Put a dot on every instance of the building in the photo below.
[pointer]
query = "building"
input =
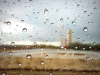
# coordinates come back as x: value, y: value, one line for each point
x: 68, y: 40
x: 63, y: 42
x: 69, y: 36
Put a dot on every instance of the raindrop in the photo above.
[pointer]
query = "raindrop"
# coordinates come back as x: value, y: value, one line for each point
x: 73, y: 22
x: 3, y: 73
x: 78, y: 38
x: 4, y: 1
x: 19, y: 64
x: 18, y: 1
x: 42, y: 62
x: 83, y: 48
x: 24, y: 30
x: 30, y: 36
x: 92, y: 60
x: 46, y: 12
x: 42, y: 49
x: 8, y: 23
x: 21, y: 74
x: 50, y: 73
x: 94, y: 2
x: 22, y: 20
x: 85, y: 29
x: 67, y: 18
x: 96, y: 67
x: 90, y: 47
x: 12, y: 43
x: 52, y: 23
x: 47, y: 20
x: 30, y: 1
x: 95, y: 8
x: 85, y: 12
x: 94, y: 43
x: 88, y: 35
x: 76, y: 47
x: 83, y: 41
x: 44, y: 23
x: 14, y: 3
x: 38, y: 12
x: 46, y: 56
x: 87, y: 58
x: 64, y: 66
x: 78, y: 5
x: 33, y: 12
x: 54, y: 39
x: 10, y: 53
x: 62, y: 47
x: 12, y: 15
x: 88, y: 22
x: 28, y: 56
x: 79, y: 74
x: 61, y: 19
x: 0, y: 11
x: 88, y: 15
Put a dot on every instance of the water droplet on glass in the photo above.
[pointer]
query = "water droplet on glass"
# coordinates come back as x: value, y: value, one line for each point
x: 92, y: 60
x: 30, y: 36
x: 62, y: 47
x: 19, y: 64
x: 4, y: 1
x: 88, y: 35
x: 87, y: 58
x: 46, y: 12
x: 50, y: 73
x: 28, y: 56
x: 83, y: 41
x: 38, y: 12
x: 94, y: 43
x: 52, y: 23
x: 42, y: 62
x: 12, y: 15
x: 0, y: 11
x: 3, y: 73
x: 24, y: 30
x: 78, y: 38
x: 95, y: 8
x: 96, y: 67
x: 85, y: 12
x: 54, y: 39
x: 83, y: 48
x: 64, y: 66
x: 73, y: 22
x: 46, y: 56
x: 78, y: 5
x: 42, y: 49
x: 12, y: 43
x: 47, y: 20
x: 88, y: 22
x: 61, y: 19
x: 79, y: 74
x: 90, y: 47
x: 30, y: 1
x: 8, y: 23
x: 85, y: 29
x: 76, y: 47
x: 10, y: 53
x: 21, y: 74
x: 22, y: 20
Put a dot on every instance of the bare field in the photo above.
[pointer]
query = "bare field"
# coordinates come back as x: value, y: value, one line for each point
x: 49, y: 63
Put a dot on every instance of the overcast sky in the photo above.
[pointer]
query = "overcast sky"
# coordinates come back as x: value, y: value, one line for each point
x: 33, y: 16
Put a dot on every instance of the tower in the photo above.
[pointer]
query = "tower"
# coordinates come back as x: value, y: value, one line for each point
x: 69, y: 36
